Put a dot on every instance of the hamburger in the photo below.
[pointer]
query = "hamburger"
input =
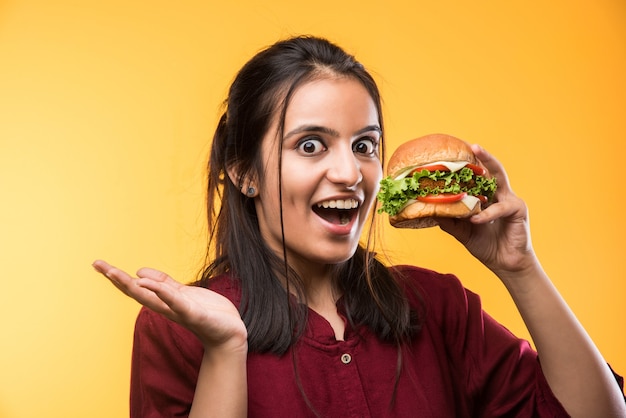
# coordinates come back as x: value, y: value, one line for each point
x: 436, y: 175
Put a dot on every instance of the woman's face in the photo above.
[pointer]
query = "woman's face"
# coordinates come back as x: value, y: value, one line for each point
x: 330, y: 173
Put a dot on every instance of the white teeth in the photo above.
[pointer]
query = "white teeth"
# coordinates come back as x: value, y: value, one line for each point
x: 339, y: 204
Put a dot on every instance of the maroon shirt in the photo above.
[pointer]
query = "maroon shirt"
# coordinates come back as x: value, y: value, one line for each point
x: 462, y: 364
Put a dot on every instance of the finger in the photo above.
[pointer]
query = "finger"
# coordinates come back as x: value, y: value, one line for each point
x: 159, y: 282
x: 511, y: 207
x: 166, y: 292
x: 101, y: 266
x: 164, y: 287
x: 490, y: 162
x: 154, y: 274
x: 129, y: 285
x: 115, y: 275
x: 495, y: 168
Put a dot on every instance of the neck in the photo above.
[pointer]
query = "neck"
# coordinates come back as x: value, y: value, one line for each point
x: 321, y: 296
x: 320, y: 293
x: 318, y: 285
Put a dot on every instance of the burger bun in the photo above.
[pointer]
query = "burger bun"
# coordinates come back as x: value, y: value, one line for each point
x: 420, y: 152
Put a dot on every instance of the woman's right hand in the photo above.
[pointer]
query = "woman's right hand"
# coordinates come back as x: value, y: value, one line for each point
x: 211, y: 316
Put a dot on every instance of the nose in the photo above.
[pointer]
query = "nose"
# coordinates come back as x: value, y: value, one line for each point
x: 344, y: 169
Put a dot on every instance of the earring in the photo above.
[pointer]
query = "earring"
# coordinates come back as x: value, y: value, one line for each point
x: 251, y: 191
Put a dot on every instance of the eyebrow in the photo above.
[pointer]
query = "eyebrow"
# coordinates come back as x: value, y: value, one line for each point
x: 328, y: 131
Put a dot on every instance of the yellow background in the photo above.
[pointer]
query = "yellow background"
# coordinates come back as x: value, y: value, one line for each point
x: 107, y: 109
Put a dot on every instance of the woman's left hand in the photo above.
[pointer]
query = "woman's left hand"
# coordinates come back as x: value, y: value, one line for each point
x: 499, y: 236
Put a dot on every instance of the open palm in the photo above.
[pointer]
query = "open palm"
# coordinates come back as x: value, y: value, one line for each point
x: 211, y: 316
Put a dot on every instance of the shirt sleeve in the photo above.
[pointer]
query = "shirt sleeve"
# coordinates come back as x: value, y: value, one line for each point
x: 495, y: 373
x: 165, y: 361
x: 505, y: 373
x: 501, y: 373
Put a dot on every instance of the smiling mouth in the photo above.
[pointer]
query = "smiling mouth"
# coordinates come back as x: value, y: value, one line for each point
x: 339, y: 211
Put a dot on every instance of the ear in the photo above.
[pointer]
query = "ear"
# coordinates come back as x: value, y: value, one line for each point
x: 246, y: 185
x: 233, y: 174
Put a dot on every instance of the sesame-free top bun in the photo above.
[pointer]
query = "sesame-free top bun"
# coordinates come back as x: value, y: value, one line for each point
x: 422, y: 151
x: 428, y: 149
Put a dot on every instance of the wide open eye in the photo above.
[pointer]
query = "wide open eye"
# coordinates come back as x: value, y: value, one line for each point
x: 365, y: 146
x: 311, y: 146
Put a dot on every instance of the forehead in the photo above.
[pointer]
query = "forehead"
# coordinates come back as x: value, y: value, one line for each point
x: 332, y: 98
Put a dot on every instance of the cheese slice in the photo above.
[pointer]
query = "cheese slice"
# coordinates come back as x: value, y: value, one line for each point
x: 470, y: 201
x: 450, y: 165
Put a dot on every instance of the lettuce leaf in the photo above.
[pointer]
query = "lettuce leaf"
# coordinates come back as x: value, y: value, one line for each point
x: 394, y: 195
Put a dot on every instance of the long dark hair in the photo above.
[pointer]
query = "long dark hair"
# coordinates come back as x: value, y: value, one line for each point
x: 261, y: 90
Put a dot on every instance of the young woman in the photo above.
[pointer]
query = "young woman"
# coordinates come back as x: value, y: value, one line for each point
x: 294, y: 318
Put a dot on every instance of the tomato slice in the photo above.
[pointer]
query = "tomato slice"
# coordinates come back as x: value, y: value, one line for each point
x: 442, y: 197
x: 431, y: 168
x: 478, y: 170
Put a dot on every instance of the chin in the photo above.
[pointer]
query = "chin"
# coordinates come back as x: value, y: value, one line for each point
x: 338, y: 256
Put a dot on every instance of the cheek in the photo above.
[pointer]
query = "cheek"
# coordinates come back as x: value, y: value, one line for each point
x: 373, y: 174
x: 297, y: 194
x: 299, y: 179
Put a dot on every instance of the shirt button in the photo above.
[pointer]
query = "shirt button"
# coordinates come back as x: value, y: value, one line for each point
x: 346, y: 358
